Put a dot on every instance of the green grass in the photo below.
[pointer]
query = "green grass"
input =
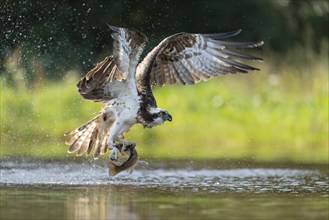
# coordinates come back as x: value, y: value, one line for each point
x: 259, y: 116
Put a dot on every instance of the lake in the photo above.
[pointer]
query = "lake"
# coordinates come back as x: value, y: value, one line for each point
x: 163, y: 190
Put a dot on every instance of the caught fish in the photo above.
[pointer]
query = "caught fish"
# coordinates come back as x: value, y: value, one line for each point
x: 126, y: 161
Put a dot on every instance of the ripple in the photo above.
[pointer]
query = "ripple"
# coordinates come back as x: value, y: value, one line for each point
x: 259, y: 180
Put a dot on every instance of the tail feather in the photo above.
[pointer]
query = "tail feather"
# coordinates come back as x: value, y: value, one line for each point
x: 79, y: 141
x: 85, y: 138
x: 73, y: 138
x: 104, y: 146
x: 92, y: 142
x: 80, y: 128
x: 78, y: 132
x: 91, y: 136
x: 97, y: 149
x: 85, y: 144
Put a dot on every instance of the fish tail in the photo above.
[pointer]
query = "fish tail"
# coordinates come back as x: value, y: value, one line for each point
x: 113, y: 170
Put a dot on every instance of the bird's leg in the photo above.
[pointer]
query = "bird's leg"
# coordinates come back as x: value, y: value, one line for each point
x: 114, y: 131
x: 114, y: 136
x: 115, y: 151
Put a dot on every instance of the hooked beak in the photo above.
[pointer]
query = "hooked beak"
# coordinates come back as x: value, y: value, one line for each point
x: 167, y: 117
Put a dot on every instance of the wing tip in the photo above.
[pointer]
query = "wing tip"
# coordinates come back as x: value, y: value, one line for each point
x: 223, y: 35
x: 238, y: 31
x: 260, y: 60
x: 113, y: 28
x: 259, y: 43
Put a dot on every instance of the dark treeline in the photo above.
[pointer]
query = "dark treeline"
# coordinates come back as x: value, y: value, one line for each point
x: 64, y: 35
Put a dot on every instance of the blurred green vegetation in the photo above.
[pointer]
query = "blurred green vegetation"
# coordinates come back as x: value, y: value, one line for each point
x: 281, y: 116
x: 65, y: 35
x: 277, y: 114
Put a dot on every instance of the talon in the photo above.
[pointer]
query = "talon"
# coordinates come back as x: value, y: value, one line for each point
x: 114, y: 154
x: 124, y: 148
x: 132, y: 144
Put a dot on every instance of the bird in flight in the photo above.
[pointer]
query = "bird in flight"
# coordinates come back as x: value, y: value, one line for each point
x: 125, y: 86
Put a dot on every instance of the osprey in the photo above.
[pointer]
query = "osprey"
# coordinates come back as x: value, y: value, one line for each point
x: 125, y: 85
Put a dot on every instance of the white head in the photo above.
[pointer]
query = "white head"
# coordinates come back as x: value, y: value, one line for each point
x: 159, y: 116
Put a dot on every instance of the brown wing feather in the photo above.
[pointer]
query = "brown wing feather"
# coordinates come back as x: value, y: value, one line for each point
x: 189, y: 58
x: 92, y: 85
x: 101, y: 83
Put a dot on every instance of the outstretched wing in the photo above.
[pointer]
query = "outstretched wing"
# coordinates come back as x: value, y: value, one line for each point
x: 110, y: 78
x: 127, y: 46
x: 189, y: 58
x: 103, y: 82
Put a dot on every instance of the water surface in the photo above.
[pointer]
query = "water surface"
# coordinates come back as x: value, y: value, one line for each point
x: 66, y: 190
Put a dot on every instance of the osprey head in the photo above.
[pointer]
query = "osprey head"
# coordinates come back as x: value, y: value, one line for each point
x: 159, y: 116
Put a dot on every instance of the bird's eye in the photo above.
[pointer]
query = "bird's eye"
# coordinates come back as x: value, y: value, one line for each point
x: 160, y: 114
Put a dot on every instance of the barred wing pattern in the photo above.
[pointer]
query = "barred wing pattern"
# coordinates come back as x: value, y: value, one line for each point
x: 110, y: 77
x: 128, y: 43
x: 93, y: 85
x: 181, y: 58
x: 189, y: 58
